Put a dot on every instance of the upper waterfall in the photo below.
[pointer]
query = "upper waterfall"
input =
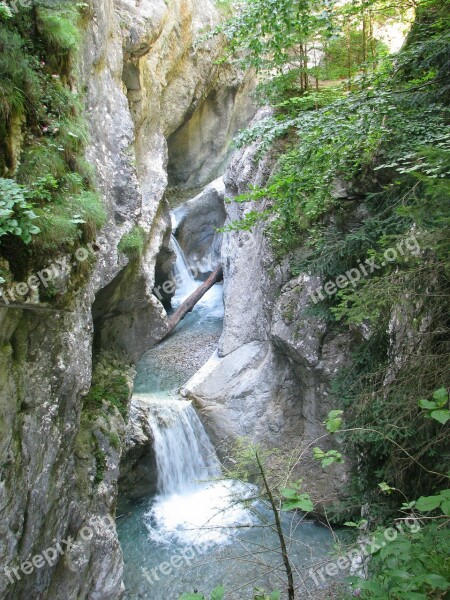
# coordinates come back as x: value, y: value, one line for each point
x: 184, y: 278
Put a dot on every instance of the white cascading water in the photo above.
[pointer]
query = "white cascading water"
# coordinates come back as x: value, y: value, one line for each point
x: 184, y: 453
x: 192, y: 505
x: 185, y: 281
x: 211, y: 305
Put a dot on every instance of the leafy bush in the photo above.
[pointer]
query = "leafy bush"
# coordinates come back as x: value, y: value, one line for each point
x: 16, y: 216
x: 5, y: 11
x: 356, y: 176
x: 414, y: 566
x: 58, y: 30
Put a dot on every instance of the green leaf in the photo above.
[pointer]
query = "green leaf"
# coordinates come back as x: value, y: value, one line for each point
x: 384, y: 487
x: 441, y: 415
x: 441, y: 396
x: 399, y: 574
x: 301, y: 503
x: 436, y: 581
x: 445, y: 507
x: 192, y: 597
x: 289, y: 493
x: 427, y: 404
x: 217, y: 593
x: 427, y: 503
x: 370, y: 586
x: 318, y: 453
x: 333, y: 421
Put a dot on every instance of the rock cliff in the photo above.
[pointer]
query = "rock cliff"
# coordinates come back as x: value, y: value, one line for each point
x: 144, y: 81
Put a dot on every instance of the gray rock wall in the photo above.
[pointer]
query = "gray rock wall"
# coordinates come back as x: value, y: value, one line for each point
x: 269, y: 379
x: 58, y: 466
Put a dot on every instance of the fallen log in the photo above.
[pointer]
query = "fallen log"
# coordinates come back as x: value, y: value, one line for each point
x: 192, y: 300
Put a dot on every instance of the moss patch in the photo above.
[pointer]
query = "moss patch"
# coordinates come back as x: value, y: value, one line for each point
x: 132, y: 243
x: 111, y: 388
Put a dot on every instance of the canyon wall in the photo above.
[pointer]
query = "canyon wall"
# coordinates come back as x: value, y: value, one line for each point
x: 269, y: 379
x: 145, y: 78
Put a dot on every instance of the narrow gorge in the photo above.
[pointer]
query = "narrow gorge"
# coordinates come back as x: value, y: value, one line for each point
x: 286, y: 419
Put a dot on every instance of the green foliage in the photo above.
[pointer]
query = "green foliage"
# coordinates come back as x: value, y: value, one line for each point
x: 361, y: 174
x: 333, y: 421
x: 265, y: 33
x: 216, y: 594
x: 132, y: 243
x: 327, y: 458
x: 110, y: 388
x: 345, y: 55
x: 411, y: 566
x: 428, y: 503
x: 5, y: 11
x: 296, y: 500
x: 293, y: 43
x: 37, y: 48
x: 16, y: 216
x: 435, y: 408
x: 116, y: 393
x: 58, y: 30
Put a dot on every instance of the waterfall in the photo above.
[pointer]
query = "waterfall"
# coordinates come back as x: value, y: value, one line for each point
x: 193, y: 506
x: 186, y: 283
x: 184, y: 454
x: 211, y: 305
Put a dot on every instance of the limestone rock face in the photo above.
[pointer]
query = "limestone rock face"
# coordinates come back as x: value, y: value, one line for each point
x: 197, y: 222
x: 200, y: 147
x: 269, y: 379
x: 143, y: 80
x: 138, y: 474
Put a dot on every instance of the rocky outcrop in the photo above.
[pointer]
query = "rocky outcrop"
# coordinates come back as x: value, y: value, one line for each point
x: 196, y: 224
x: 138, y: 474
x: 269, y: 379
x: 200, y: 147
x: 142, y: 80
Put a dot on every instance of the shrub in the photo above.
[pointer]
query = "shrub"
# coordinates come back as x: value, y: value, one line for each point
x: 36, y: 51
x: 63, y: 222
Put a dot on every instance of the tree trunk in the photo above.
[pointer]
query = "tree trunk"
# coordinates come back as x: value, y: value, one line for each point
x: 192, y: 300
x: 284, y: 552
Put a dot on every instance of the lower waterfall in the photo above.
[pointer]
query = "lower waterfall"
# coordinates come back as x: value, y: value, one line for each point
x: 183, y: 451
x: 193, y: 506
